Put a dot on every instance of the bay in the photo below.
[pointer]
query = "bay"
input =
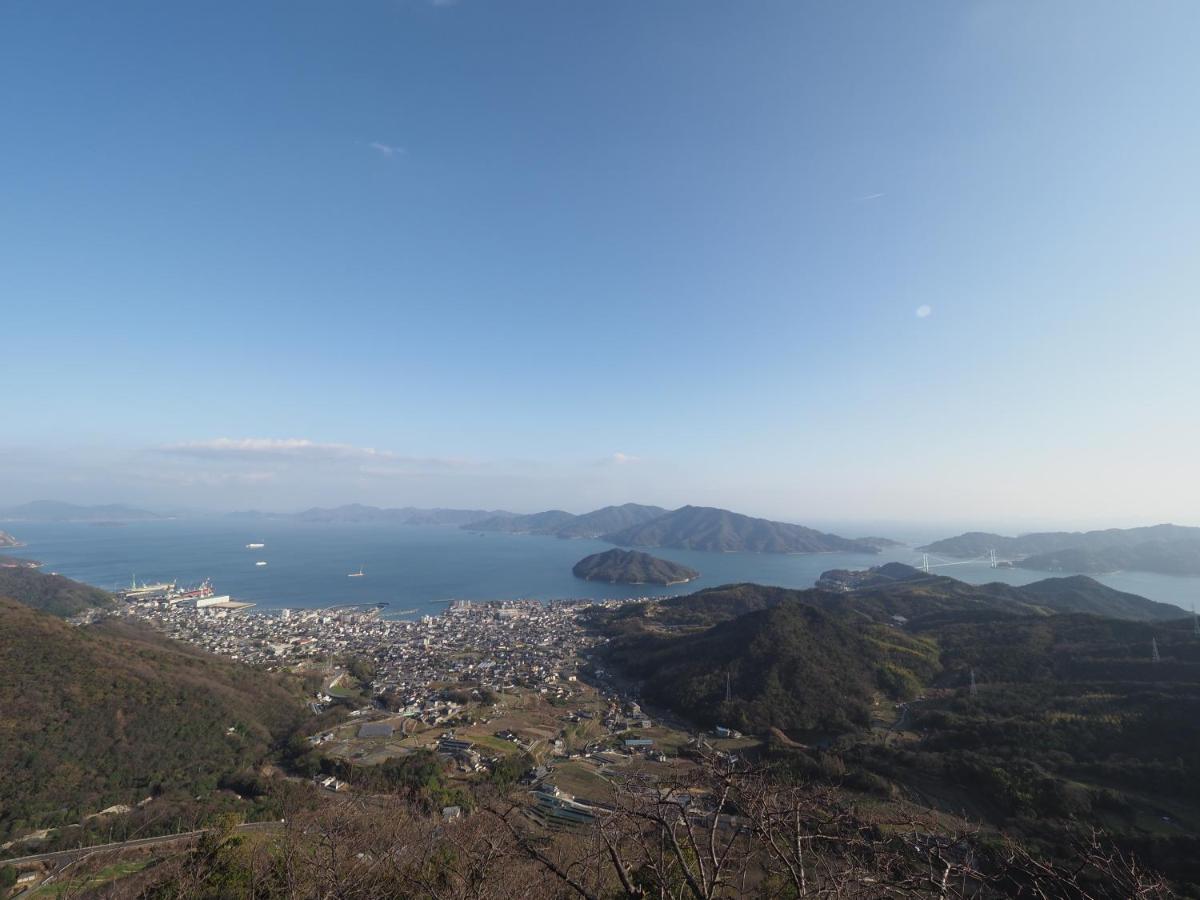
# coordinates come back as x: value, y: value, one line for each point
x: 419, y: 568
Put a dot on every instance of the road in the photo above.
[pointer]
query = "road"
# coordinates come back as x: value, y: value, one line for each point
x: 77, y: 852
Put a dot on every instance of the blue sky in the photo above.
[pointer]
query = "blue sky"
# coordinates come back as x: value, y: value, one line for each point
x: 531, y: 254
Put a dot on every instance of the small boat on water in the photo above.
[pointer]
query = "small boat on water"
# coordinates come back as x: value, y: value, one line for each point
x: 358, y: 574
x: 261, y: 562
x: 255, y: 546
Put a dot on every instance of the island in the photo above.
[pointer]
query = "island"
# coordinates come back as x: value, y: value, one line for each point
x: 1163, y: 549
x: 721, y: 531
x: 7, y: 541
x: 632, y: 567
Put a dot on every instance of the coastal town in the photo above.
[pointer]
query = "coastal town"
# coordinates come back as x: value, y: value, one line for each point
x: 478, y: 684
x: 498, y: 645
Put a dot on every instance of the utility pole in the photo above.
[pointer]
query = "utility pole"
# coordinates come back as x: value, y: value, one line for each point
x: 728, y: 688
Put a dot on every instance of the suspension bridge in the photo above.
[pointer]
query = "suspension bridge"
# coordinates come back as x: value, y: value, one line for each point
x: 990, y: 558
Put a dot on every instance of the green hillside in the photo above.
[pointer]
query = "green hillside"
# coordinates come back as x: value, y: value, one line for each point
x: 813, y: 659
x: 881, y: 594
x: 791, y: 666
x: 112, y: 714
x: 1073, y: 721
x: 51, y: 593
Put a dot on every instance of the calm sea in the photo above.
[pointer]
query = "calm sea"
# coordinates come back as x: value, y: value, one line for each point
x: 419, y: 568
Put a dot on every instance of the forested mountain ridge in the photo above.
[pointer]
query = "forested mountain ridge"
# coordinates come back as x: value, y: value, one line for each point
x: 357, y: 513
x: 1012, y: 703
x: 559, y: 523
x: 882, y: 637
x: 113, y: 713
x: 791, y: 666
x: 886, y: 592
x: 54, y: 594
x: 974, y: 543
x: 719, y: 530
x: 1173, y: 557
x: 1167, y: 549
x: 54, y: 511
x: 535, y: 523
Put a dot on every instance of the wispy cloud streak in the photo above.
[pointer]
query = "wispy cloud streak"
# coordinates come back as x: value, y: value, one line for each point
x: 388, y: 150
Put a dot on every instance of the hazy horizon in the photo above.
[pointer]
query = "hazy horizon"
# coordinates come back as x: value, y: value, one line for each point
x: 915, y: 529
x: 927, y: 263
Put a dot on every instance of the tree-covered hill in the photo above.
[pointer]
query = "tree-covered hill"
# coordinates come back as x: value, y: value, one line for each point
x: 111, y: 714
x: 560, y: 523
x: 894, y: 634
x: 631, y: 567
x: 1178, y: 557
x: 888, y: 594
x: 791, y: 666
x: 536, y: 523
x: 1168, y: 549
x: 51, y: 593
x: 608, y: 519
x: 1077, y: 718
x: 708, y: 528
x: 1078, y: 593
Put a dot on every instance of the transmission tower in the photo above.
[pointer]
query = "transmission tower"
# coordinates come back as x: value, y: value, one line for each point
x: 974, y: 687
x: 1154, y: 657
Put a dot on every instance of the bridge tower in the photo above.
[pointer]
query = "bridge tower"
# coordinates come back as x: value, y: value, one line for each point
x: 925, y: 563
x: 992, y: 557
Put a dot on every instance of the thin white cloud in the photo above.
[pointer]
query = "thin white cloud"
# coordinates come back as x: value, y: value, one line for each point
x: 866, y: 197
x: 388, y: 150
x: 303, y: 450
x: 924, y: 311
x: 263, y: 448
x: 619, y: 459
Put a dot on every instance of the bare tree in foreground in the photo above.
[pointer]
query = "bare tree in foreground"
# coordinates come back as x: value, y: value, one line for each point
x: 713, y: 830
x: 723, y: 829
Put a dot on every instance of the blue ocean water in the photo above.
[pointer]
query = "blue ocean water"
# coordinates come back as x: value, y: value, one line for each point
x: 420, y: 567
